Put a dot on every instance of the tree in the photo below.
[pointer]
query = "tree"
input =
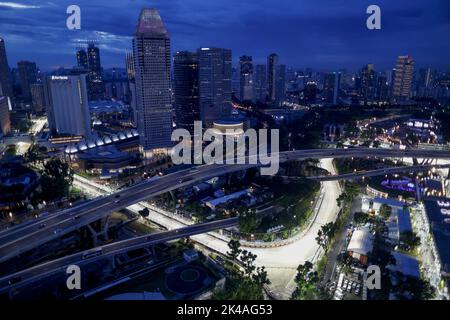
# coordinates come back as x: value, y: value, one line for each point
x: 307, y: 281
x: 325, y: 234
x: 247, y: 286
x: 144, y: 212
x: 385, y: 211
x: 235, y: 249
x: 247, y: 258
x: 410, y: 239
x: 56, y: 179
x: 260, y: 276
x: 248, y: 222
x: 361, y: 218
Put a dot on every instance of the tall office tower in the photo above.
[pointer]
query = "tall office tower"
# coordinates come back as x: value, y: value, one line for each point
x: 260, y: 83
x: 214, y: 84
x: 131, y: 76
x: 272, y: 63
x: 310, y: 92
x: 424, y: 82
x: 5, y: 75
x: 404, y: 72
x: 37, y: 97
x: 129, y: 63
x: 246, y: 78
x: 27, y: 76
x: 185, y: 80
x: 382, y: 89
x: 82, y: 59
x: 280, y: 85
x: 367, y: 86
x: 331, y: 87
x: 95, y: 85
x: 5, y: 123
x: 69, y: 108
x: 151, y: 52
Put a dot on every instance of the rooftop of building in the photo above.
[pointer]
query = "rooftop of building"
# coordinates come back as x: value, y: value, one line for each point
x: 438, y: 212
x: 150, y: 24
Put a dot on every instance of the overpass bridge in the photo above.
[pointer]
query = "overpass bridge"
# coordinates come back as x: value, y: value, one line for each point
x: 26, y: 277
x: 21, y: 239
x: 378, y: 172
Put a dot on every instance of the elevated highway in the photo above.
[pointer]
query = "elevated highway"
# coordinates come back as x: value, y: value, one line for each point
x: 24, y: 238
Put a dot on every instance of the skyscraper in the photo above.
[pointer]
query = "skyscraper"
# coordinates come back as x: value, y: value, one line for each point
x: 246, y: 78
x: 5, y: 123
x: 69, y: 114
x: 38, y: 98
x: 404, y: 72
x: 27, y: 76
x: 131, y: 76
x: 331, y: 87
x: 368, y: 81
x: 382, y: 89
x: 260, y: 83
x: 185, y: 80
x: 151, y: 52
x: 214, y: 84
x: 280, y: 85
x: 5, y: 77
x: 272, y: 63
x: 129, y: 63
x: 95, y: 86
x: 82, y: 59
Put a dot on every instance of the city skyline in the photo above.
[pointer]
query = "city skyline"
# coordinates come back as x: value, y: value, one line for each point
x: 245, y: 28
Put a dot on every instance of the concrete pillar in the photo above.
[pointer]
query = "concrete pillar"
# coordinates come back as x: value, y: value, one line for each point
x: 93, y: 234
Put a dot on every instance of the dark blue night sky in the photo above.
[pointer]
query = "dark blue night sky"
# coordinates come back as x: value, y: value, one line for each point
x: 321, y: 34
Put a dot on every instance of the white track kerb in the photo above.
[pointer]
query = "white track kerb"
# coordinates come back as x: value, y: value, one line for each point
x: 260, y: 150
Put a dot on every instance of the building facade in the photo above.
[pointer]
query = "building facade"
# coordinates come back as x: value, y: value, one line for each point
x: 185, y: 87
x: 246, y: 78
x: 260, y: 83
x: 272, y: 63
x: 69, y: 114
x: 151, y: 53
x: 5, y: 76
x: 403, y: 79
x: 38, y: 97
x: 27, y: 76
x: 5, y: 123
x: 214, y: 84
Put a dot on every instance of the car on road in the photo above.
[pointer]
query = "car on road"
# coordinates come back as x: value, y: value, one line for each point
x: 57, y: 231
x: 42, y: 226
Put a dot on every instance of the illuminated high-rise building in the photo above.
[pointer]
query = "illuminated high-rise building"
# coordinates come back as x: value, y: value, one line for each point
x: 403, y: 79
x: 214, y: 84
x: 272, y: 63
x: 260, y: 83
x: 5, y: 123
x: 5, y: 76
x: 27, y: 76
x: 151, y: 53
x: 245, y: 78
x: 185, y: 87
x: 68, y: 112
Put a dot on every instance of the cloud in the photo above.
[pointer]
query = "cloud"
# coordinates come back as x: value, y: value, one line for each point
x: 321, y: 34
x: 15, y: 5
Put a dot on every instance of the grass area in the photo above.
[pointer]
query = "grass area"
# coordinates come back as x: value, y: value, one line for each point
x: 295, y: 198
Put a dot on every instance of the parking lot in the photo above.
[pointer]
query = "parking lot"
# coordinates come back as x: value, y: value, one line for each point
x: 347, y: 287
